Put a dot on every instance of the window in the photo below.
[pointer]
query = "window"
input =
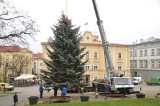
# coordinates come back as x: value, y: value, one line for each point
x: 41, y: 64
x: 135, y: 63
x: 86, y: 67
x: 7, y: 64
x: 158, y: 63
x: 87, y: 55
x: 145, y: 53
x: 158, y: 52
x: 140, y: 63
x: 95, y: 55
x: 145, y: 63
x: 141, y: 53
x: 7, y: 57
x: 152, y: 63
x: 135, y: 53
x: 119, y: 55
x: 87, y: 37
x: 119, y: 67
x: 131, y: 54
x: 95, y: 67
x: 152, y: 52
x: 131, y: 63
x: 34, y: 66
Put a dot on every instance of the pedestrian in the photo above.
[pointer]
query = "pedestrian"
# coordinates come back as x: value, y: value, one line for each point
x: 41, y: 90
x: 56, y: 90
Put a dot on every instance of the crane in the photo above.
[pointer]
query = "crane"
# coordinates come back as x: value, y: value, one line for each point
x: 116, y: 84
x: 104, y: 42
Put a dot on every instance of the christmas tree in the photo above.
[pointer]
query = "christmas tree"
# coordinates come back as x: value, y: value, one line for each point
x: 65, y: 66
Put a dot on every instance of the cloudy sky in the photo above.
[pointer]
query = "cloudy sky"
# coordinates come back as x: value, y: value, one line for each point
x: 125, y: 21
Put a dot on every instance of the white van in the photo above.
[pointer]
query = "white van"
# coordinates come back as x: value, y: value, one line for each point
x: 137, y: 80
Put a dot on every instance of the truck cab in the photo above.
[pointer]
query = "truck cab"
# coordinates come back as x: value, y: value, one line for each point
x: 121, y: 84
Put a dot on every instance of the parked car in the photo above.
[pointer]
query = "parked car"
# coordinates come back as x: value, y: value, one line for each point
x: 137, y: 80
x: 154, y: 81
x: 6, y: 86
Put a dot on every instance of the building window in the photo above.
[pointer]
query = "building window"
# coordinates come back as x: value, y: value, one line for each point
x: 87, y: 55
x: 152, y: 52
x: 135, y: 63
x: 158, y: 52
x: 95, y: 55
x: 7, y: 57
x: 34, y: 66
x: 145, y: 53
x: 41, y: 64
x: 158, y: 63
x: 7, y: 64
x: 87, y: 37
x: 152, y: 63
x: 86, y: 67
x: 131, y: 54
x: 141, y: 53
x: 131, y: 63
x: 95, y: 67
x: 140, y: 63
x: 119, y: 67
x: 135, y: 53
x: 119, y: 55
x: 145, y: 63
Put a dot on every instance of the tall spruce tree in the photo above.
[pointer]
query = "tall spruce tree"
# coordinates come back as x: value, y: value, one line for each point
x: 65, y: 66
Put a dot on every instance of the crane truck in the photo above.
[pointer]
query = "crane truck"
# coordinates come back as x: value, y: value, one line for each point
x: 115, y: 84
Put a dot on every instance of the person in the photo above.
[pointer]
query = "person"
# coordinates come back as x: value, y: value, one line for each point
x: 41, y: 90
x: 55, y: 90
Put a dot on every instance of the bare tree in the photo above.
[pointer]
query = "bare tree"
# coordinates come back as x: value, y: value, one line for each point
x: 19, y: 63
x: 15, y: 25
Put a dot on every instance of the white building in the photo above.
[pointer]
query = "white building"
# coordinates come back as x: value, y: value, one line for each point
x: 145, y: 58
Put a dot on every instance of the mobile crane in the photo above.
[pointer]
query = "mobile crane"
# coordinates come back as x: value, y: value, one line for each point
x: 116, y: 84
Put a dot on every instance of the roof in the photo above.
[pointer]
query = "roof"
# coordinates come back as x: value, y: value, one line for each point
x: 10, y: 48
x: 37, y: 56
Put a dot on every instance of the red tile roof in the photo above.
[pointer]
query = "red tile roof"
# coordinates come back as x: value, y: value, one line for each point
x: 37, y: 56
x: 10, y: 48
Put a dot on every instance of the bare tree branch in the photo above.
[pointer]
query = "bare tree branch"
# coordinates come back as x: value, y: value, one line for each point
x: 15, y: 26
x: 11, y: 18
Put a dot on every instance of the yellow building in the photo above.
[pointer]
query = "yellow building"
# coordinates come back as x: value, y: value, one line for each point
x: 37, y: 63
x: 14, y: 60
x: 95, y: 67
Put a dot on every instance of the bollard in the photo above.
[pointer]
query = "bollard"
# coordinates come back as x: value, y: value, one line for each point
x: 15, y: 99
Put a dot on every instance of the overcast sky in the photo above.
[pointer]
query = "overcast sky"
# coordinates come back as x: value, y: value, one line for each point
x: 124, y: 21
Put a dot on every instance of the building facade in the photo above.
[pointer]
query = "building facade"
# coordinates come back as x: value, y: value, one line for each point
x: 95, y: 67
x: 14, y: 60
x: 37, y: 63
x: 145, y: 58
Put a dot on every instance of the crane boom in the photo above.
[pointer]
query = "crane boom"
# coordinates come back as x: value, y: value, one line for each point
x: 104, y: 42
